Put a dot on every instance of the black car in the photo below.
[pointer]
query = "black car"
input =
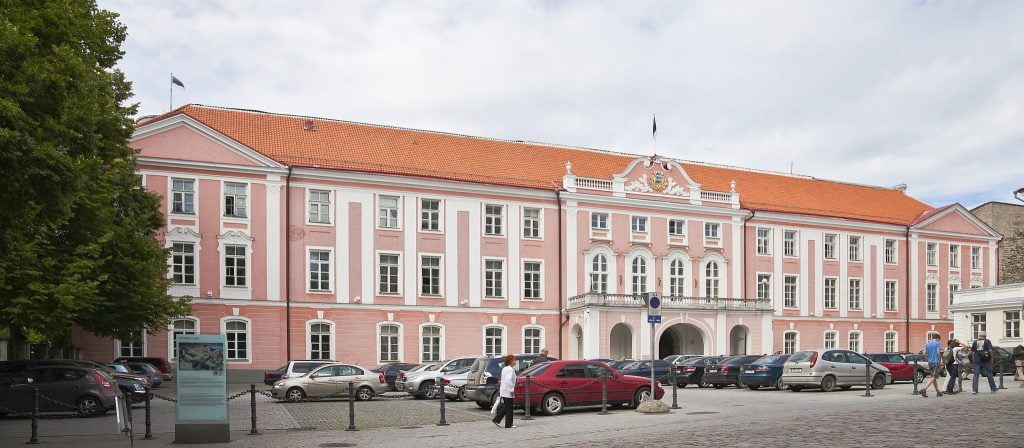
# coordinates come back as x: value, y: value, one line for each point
x: 728, y: 372
x: 390, y: 371
x: 692, y: 371
x: 485, y: 373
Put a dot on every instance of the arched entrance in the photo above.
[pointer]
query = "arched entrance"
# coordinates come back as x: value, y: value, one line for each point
x: 576, y: 342
x: 621, y: 346
x: 681, y: 339
x: 738, y: 340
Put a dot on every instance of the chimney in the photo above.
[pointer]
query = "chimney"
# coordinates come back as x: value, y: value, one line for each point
x: 309, y: 125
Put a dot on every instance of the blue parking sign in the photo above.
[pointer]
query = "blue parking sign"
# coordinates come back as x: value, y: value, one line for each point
x: 654, y: 319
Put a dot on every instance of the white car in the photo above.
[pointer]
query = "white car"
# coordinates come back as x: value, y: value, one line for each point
x: 455, y: 384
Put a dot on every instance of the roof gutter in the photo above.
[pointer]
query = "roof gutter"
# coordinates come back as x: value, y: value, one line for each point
x: 906, y: 295
x: 562, y: 313
x: 743, y: 255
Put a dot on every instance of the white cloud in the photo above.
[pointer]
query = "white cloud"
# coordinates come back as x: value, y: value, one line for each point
x: 928, y: 94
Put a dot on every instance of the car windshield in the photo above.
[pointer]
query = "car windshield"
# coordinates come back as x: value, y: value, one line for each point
x: 435, y: 366
x: 694, y: 361
x: 801, y: 356
x: 771, y: 359
x: 535, y: 369
x: 623, y: 364
x: 739, y: 360
x: 462, y: 370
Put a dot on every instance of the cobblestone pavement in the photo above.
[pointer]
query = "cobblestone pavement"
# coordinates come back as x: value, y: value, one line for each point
x: 727, y: 417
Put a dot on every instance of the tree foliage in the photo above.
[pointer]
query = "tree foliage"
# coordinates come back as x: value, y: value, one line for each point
x: 77, y: 232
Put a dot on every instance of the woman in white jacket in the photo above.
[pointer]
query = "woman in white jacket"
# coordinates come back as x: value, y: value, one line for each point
x: 506, y: 391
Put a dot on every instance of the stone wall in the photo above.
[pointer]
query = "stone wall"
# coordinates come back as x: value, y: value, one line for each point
x: 1005, y: 218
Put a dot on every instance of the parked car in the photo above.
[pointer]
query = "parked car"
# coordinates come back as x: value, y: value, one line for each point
x: 422, y: 384
x: 331, y: 379
x: 899, y: 367
x: 455, y: 384
x: 921, y: 361
x: 131, y: 387
x: 160, y: 363
x: 766, y: 372
x: 87, y: 391
x: 662, y: 370
x: 827, y: 369
x: 293, y: 369
x: 604, y: 360
x: 728, y: 371
x: 391, y: 370
x: 556, y: 385
x: 692, y: 370
x: 621, y: 363
x: 678, y: 359
x: 145, y: 368
x: 485, y: 373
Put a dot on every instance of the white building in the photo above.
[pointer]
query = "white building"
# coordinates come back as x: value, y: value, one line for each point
x: 995, y: 310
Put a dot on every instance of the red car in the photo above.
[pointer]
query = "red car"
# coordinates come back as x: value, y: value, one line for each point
x: 901, y: 369
x: 556, y: 385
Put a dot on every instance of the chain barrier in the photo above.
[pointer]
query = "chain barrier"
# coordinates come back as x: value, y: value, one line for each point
x: 238, y: 395
x: 155, y: 395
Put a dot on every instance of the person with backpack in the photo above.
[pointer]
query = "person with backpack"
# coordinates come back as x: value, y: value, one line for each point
x: 952, y: 368
x: 982, y: 350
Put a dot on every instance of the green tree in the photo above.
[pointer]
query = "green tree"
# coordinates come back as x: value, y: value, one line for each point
x: 77, y: 232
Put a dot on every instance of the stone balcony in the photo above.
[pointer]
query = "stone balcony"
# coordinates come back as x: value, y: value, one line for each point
x: 670, y: 302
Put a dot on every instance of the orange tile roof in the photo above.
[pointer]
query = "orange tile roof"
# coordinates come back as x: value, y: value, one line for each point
x: 384, y: 149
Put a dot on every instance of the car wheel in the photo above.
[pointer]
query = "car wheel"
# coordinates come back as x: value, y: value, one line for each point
x: 779, y: 385
x: 482, y: 405
x: 463, y: 394
x: 295, y: 394
x: 552, y: 404
x: 753, y: 386
x: 89, y: 406
x: 828, y: 383
x: 642, y: 394
x: 918, y: 377
x: 681, y: 385
x: 427, y: 390
x: 718, y: 386
x: 364, y: 393
x: 878, y: 382
x: 796, y: 388
x: 739, y: 384
x: 703, y: 382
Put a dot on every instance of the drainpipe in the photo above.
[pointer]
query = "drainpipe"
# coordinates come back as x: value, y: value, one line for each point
x: 906, y: 296
x: 561, y: 263
x: 743, y: 254
x: 287, y: 268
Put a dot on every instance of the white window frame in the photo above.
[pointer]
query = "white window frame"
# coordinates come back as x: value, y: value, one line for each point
x: 120, y: 345
x: 400, y: 277
x: 330, y: 269
x: 931, y: 251
x: 504, y: 278
x: 953, y: 288
x: 859, y: 339
x: 639, y: 224
x: 440, y: 215
x: 763, y: 286
x: 790, y: 246
x: 763, y: 243
x: 504, y: 339
x: 895, y: 295
x: 796, y: 341
x: 850, y: 294
x: 540, y: 342
x: 978, y: 325
x: 855, y: 250
x: 825, y: 292
x: 333, y: 342
x: 400, y: 344
x: 894, y: 339
x: 539, y: 220
x: 607, y: 273
x: 976, y: 255
x: 931, y: 297
x: 419, y: 271
x: 540, y: 281
x: 648, y: 274
x: 891, y: 256
x: 721, y: 279
x: 248, y: 337
x: 954, y: 256
x: 676, y: 284
x: 329, y: 203
x: 224, y: 200
x: 791, y: 300
x: 607, y: 221
x: 195, y: 264
x: 398, y: 212
x: 668, y: 227
x: 440, y: 342
x: 830, y: 250
x: 247, y: 274
x: 195, y: 196
x: 712, y: 234
x: 835, y: 340
x: 1011, y: 324
x: 171, y: 331
x: 501, y: 222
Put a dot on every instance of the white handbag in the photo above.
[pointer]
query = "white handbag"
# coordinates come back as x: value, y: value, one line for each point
x: 497, y: 403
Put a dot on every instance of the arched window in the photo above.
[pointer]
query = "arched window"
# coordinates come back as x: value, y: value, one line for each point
x: 533, y: 339
x: 639, y: 275
x: 236, y: 334
x: 390, y: 342
x: 676, y: 278
x: 494, y: 341
x: 890, y: 342
x: 188, y: 325
x: 599, y: 274
x: 790, y: 342
x: 711, y: 280
x: 320, y: 340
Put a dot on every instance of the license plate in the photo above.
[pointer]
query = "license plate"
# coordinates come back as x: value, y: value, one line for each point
x: 712, y: 370
x: 748, y: 371
x: 796, y: 370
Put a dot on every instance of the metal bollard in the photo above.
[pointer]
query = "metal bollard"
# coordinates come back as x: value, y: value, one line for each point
x: 527, y: 404
x: 913, y: 379
x: 675, y: 389
x: 443, y: 421
x: 604, y: 396
x: 252, y: 408
x: 867, y: 380
x: 149, y: 418
x: 35, y: 417
x: 351, y: 408
x: 1002, y: 372
x: 131, y: 425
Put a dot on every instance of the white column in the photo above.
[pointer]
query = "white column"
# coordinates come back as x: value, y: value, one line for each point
x: 410, y: 253
x: 515, y: 281
x: 819, y: 266
x: 571, y: 261
x: 644, y: 329
x: 843, y: 288
x: 367, y: 266
x: 805, y: 293
x: 451, y: 251
x: 867, y: 283
x: 341, y: 250
x: 738, y: 243
x: 879, y: 280
x: 274, y: 255
x: 778, y: 281
x: 721, y: 334
x: 475, y: 261
x: 991, y: 266
x: 592, y: 334
x: 913, y: 279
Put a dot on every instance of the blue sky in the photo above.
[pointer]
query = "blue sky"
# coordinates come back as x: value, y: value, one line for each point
x: 930, y: 94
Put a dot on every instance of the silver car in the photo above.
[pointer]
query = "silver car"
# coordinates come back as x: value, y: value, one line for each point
x: 455, y: 384
x: 331, y: 380
x: 828, y: 369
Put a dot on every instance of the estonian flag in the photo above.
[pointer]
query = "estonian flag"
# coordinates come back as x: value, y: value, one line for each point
x: 177, y: 81
x: 654, y: 131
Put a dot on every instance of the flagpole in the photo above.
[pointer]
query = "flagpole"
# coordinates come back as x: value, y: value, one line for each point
x: 170, y: 101
x: 654, y: 132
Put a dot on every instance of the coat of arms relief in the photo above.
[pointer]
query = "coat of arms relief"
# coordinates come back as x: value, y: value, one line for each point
x: 658, y: 182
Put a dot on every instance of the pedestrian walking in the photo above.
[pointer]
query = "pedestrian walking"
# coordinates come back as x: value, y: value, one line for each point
x: 982, y: 350
x: 949, y: 358
x: 931, y: 350
x: 963, y: 364
x: 506, y: 390
x: 1018, y: 361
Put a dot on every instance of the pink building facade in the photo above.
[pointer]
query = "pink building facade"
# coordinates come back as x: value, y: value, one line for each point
x: 304, y: 238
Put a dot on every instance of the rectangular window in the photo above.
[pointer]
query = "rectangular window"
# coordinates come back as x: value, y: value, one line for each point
x: 829, y: 246
x: 975, y: 258
x: 855, y: 294
x: 493, y: 215
x: 1011, y: 324
x: 953, y: 288
x: 387, y: 270
x: 890, y: 295
x: 319, y: 206
x: 532, y: 280
x: 954, y: 255
x: 890, y: 251
x: 711, y: 230
x: 234, y: 200
x: 133, y: 346
x: 234, y: 265
x: 493, y: 341
x: 183, y: 264
x: 430, y: 215
x: 977, y: 324
x: 676, y: 278
x: 387, y: 212
x: 789, y: 243
x: 531, y: 340
x: 830, y: 293
x: 531, y: 223
x: 890, y: 342
x: 183, y: 196
x: 931, y: 257
x: 764, y: 241
x: 831, y: 339
x: 431, y: 343
x: 855, y: 342
x: 430, y: 275
x: 494, y: 278
x: 854, y: 248
x: 236, y: 336
x: 789, y: 291
x: 599, y: 221
x: 789, y: 342
x: 638, y: 224
x: 676, y: 227
x: 931, y: 300
x: 764, y: 286
x: 389, y: 335
x: 319, y: 270
x: 320, y: 341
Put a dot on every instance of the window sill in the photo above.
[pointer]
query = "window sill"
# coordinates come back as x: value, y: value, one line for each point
x: 389, y: 229
x: 389, y: 294
x: 533, y: 238
x: 427, y: 296
x: 495, y: 298
x: 319, y: 292
x: 182, y: 215
x: 533, y: 299
x: 239, y: 361
x: 791, y: 257
x: 496, y: 235
x: 320, y: 224
x: 434, y: 232
x: 762, y: 255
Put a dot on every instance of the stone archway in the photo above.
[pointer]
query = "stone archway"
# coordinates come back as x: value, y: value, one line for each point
x: 620, y: 342
x: 681, y: 339
x: 576, y: 342
x: 738, y: 340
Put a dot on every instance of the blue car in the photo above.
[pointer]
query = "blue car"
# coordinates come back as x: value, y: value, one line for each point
x: 642, y: 369
x: 766, y: 372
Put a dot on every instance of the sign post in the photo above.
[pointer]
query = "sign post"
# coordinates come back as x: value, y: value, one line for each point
x: 654, y: 318
x: 202, y: 415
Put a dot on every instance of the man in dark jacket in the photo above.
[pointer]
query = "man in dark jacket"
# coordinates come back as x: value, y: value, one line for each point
x: 1018, y: 361
x: 981, y: 350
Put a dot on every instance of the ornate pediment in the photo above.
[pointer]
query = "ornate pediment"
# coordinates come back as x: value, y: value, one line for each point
x: 182, y: 234
x: 657, y: 175
x: 234, y: 236
x: 659, y: 182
